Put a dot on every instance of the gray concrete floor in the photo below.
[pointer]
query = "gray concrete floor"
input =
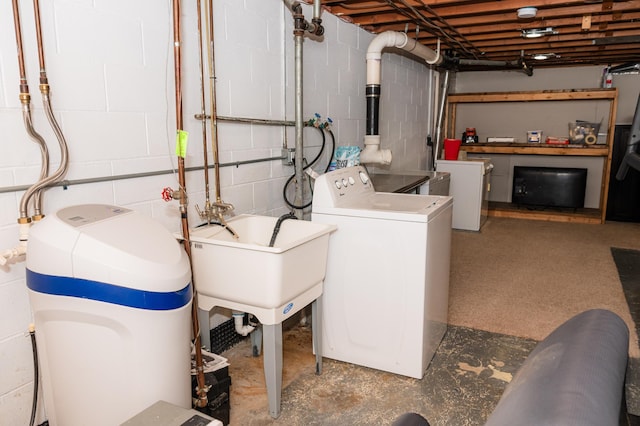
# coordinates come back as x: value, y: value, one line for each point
x: 461, y: 386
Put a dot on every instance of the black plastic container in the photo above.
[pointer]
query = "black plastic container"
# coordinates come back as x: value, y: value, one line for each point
x: 219, y: 394
x: 549, y: 187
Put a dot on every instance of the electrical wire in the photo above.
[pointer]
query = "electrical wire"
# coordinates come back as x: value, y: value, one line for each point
x: 34, y: 348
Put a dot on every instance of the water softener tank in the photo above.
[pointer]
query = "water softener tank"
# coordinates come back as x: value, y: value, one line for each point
x: 110, y: 291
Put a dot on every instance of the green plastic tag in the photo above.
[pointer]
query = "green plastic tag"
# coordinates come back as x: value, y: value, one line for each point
x: 182, y: 138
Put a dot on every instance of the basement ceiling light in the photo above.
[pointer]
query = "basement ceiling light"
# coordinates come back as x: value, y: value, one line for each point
x: 538, y: 32
x: 527, y: 12
x: 543, y: 56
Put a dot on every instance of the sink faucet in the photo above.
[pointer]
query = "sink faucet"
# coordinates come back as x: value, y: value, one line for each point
x: 217, y: 211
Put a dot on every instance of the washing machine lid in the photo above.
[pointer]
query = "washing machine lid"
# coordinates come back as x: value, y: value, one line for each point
x: 390, y: 206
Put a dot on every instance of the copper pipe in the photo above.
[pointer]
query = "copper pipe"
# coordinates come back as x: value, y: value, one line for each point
x: 46, y: 100
x: 212, y: 98
x: 207, y: 204
x: 25, y: 100
x: 201, y: 400
x: 24, y: 87
x: 36, y: 13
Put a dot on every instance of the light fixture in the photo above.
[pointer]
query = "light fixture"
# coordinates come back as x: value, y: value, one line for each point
x: 544, y: 56
x: 538, y: 32
x: 527, y: 12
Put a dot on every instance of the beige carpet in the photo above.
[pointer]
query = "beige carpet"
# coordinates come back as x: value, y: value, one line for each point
x: 524, y: 278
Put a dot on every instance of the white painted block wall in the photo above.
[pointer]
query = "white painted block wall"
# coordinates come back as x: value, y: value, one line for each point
x: 110, y: 66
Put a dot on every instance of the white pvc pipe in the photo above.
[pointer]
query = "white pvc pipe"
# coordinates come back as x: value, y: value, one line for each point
x: 401, y: 41
x: 241, y: 329
x: 21, y: 249
x: 372, y: 152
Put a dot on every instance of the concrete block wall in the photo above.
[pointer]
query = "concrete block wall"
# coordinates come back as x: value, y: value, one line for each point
x: 110, y: 66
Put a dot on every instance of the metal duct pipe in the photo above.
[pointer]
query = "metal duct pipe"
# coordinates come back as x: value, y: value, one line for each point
x: 372, y: 152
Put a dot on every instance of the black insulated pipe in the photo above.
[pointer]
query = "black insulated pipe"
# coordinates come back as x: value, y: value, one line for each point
x: 373, y: 108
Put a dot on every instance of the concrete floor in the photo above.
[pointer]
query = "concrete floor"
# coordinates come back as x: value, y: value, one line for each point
x: 462, y: 385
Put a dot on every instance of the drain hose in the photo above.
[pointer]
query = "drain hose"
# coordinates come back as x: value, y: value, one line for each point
x: 276, y: 230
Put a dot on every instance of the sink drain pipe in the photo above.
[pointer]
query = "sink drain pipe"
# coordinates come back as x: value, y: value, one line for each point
x: 238, y: 321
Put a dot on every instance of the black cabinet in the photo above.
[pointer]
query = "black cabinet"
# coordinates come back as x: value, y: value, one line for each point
x: 624, y: 196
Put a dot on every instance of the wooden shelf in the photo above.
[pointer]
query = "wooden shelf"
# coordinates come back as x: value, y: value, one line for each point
x: 533, y: 96
x: 536, y: 149
x: 604, y: 150
x: 550, y: 214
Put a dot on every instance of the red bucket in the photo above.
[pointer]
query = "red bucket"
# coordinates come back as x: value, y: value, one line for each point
x: 451, y: 148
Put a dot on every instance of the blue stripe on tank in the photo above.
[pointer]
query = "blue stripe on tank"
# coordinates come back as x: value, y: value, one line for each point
x: 108, y: 293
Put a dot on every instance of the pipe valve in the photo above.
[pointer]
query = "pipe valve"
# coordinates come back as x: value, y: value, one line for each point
x: 169, y: 194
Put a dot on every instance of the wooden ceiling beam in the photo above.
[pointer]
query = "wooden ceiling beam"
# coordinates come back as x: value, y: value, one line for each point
x: 478, y: 13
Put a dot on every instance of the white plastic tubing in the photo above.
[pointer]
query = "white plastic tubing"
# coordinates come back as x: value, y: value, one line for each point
x: 372, y: 152
x: 238, y: 319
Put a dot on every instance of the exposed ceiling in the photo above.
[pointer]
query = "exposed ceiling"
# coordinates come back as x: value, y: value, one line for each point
x: 588, y: 32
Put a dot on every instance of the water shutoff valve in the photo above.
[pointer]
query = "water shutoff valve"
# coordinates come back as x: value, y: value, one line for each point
x: 169, y: 194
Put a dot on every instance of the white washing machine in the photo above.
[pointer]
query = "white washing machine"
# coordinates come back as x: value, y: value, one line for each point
x: 386, y: 290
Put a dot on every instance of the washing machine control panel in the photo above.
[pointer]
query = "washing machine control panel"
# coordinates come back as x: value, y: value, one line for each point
x: 339, y: 186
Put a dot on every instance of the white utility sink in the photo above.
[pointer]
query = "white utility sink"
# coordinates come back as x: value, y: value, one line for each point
x: 273, y: 283
x: 246, y: 270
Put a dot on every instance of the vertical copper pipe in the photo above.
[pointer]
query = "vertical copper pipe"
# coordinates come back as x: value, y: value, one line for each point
x: 24, y: 87
x: 201, y: 401
x: 36, y: 13
x: 203, y: 110
x: 212, y: 100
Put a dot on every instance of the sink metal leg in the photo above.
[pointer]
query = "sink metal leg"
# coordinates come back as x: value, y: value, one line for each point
x: 273, y: 366
x: 256, y: 341
x: 205, y: 333
x: 316, y: 330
